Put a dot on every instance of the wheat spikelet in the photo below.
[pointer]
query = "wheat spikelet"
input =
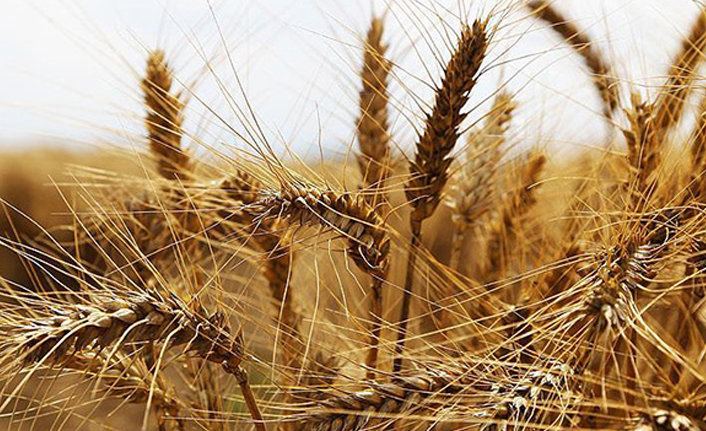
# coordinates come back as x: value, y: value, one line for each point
x: 602, y: 73
x: 517, y: 205
x: 138, y: 318
x: 672, y: 99
x: 644, y: 146
x: 372, y: 125
x: 149, y: 316
x: 471, y: 195
x: 429, y: 169
x: 619, y: 273
x: 667, y: 420
x: 346, y: 214
x: 374, y: 142
x: 164, y: 119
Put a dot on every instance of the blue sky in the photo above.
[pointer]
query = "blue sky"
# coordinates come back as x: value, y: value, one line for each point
x: 69, y: 68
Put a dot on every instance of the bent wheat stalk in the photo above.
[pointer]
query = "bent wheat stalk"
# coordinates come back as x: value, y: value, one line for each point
x: 602, y: 76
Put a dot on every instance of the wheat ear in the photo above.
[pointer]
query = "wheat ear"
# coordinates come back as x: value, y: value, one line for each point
x: 147, y: 317
x: 471, y: 196
x: 643, y: 146
x: 374, y: 142
x: 602, y: 73
x: 372, y: 125
x: 680, y: 81
x: 516, y: 206
x: 164, y: 119
x: 429, y: 169
x: 348, y: 215
x: 490, y: 398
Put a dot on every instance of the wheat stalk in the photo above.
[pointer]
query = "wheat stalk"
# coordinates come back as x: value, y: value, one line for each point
x: 429, y: 169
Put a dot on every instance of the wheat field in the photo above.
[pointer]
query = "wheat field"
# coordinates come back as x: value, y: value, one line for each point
x: 471, y: 283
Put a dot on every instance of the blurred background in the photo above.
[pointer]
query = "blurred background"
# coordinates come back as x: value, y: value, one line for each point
x: 69, y: 69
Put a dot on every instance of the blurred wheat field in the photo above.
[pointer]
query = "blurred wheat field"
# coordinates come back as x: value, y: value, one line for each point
x: 467, y: 282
